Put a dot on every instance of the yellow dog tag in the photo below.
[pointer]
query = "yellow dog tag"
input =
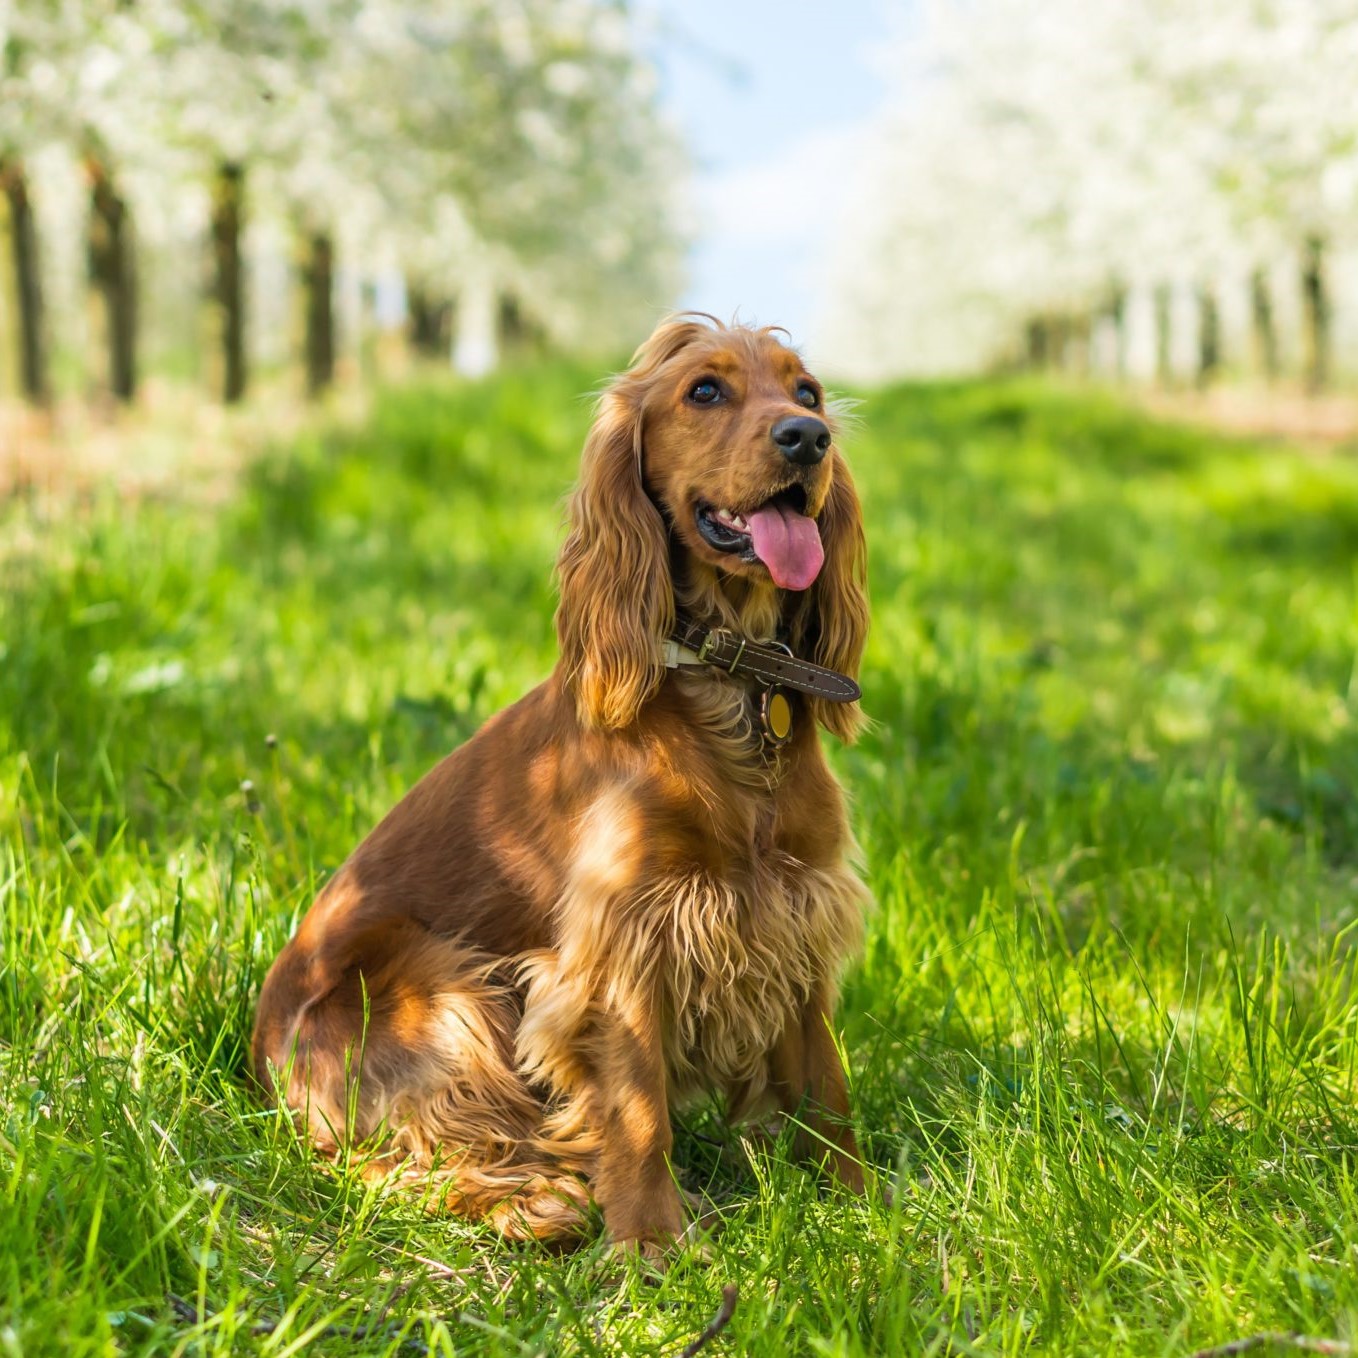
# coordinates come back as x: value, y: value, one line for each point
x: 775, y: 715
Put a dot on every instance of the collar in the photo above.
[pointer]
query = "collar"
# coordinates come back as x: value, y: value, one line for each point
x: 770, y: 663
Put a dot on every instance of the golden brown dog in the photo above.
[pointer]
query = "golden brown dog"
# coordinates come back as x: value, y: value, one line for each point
x: 619, y: 894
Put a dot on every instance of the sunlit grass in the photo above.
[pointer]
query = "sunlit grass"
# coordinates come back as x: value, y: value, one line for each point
x: 1102, y: 1040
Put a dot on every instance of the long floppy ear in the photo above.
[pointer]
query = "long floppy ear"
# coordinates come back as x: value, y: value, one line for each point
x: 617, y: 598
x: 831, y: 625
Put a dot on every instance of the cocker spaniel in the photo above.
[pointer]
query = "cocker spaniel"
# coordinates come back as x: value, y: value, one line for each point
x: 633, y: 886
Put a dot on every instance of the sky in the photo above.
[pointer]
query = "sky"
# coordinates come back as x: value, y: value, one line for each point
x: 769, y: 95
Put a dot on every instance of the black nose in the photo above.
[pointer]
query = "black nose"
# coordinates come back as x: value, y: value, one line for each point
x: 803, y: 438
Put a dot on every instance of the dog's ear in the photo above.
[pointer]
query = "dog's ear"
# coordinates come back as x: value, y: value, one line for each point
x: 617, y: 598
x: 830, y: 626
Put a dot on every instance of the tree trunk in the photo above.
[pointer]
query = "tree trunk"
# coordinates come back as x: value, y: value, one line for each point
x: 429, y: 322
x: 1117, y: 314
x: 320, y: 313
x: 1265, y: 327
x: 1164, y: 368
x: 113, y: 273
x: 419, y: 323
x: 227, y: 211
x: 1209, y: 337
x: 1316, y: 307
x: 1038, y: 343
x: 28, y: 283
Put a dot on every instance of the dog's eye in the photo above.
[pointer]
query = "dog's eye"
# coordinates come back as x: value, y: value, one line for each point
x: 704, y: 393
x: 808, y: 396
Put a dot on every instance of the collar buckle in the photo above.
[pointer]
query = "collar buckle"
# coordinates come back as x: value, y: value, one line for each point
x: 768, y: 663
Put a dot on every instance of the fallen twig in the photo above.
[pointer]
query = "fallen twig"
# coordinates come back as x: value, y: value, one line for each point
x: 1279, y: 1339
x: 718, y: 1323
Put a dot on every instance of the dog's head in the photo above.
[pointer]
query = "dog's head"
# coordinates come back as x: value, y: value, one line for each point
x: 710, y: 480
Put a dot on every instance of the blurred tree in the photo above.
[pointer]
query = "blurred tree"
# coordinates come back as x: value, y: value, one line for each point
x: 484, y: 148
x: 24, y: 123
x: 1265, y: 328
x: 27, y: 282
x: 540, y: 162
x: 319, y: 274
x: 112, y: 264
x: 1316, y: 301
x: 43, y: 54
x: 1047, y: 154
x: 430, y: 322
x: 234, y: 91
x: 228, y: 206
x: 1209, y: 337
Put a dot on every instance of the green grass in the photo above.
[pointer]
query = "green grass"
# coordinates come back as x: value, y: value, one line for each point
x: 1102, y: 1040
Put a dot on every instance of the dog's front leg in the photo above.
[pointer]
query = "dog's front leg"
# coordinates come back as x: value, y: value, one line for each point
x: 809, y: 1082
x: 632, y: 1183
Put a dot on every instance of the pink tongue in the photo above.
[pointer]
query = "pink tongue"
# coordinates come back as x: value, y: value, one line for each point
x: 788, y: 543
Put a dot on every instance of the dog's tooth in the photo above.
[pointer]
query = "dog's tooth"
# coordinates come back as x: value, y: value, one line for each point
x: 738, y: 522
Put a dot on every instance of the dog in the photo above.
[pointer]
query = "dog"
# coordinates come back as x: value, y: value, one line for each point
x: 635, y: 886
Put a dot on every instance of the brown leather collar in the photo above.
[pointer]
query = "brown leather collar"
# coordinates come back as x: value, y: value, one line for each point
x: 770, y: 664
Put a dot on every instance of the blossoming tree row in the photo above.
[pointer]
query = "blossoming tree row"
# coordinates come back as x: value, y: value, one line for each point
x: 502, y: 159
x: 1121, y: 183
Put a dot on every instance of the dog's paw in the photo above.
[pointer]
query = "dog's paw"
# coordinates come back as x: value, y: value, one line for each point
x: 653, y: 1256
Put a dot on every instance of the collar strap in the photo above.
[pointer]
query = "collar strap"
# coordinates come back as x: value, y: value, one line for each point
x: 770, y: 664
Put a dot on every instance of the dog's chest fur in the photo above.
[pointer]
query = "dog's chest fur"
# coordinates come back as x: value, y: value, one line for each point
x: 746, y: 944
x: 740, y: 957
x: 723, y: 933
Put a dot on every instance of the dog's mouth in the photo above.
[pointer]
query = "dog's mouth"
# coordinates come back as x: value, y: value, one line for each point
x: 779, y: 534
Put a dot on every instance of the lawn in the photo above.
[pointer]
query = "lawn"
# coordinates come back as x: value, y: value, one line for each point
x: 1103, y: 1043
